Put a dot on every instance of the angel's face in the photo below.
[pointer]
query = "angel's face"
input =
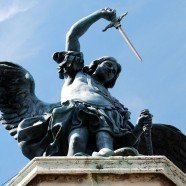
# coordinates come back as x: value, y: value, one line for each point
x: 106, y: 71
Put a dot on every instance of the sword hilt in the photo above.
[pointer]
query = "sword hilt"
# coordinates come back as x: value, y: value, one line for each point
x: 115, y: 22
x: 146, y: 112
x: 147, y: 133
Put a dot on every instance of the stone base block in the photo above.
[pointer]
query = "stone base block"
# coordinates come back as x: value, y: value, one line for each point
x: 89, y: 171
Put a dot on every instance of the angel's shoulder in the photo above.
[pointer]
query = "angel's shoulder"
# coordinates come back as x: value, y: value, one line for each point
x: 78, y: 79
x: 70, y: 63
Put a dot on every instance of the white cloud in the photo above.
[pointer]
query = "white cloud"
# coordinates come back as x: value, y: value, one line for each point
x: 16, y: 36
x: 12, y: 8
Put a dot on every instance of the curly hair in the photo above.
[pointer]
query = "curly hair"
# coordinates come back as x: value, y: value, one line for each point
x: 66, y: 58
x: 92, y: 67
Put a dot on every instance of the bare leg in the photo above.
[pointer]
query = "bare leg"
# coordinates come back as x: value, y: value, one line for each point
x: 77, y: 141
x: 104, y: 142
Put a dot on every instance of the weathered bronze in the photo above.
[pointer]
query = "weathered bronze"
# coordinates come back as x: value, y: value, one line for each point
x: 88, y: 121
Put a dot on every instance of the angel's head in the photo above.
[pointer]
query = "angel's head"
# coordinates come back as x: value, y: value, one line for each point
x: 105, y: 69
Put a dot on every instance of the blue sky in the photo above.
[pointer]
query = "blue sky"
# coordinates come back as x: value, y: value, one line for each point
x: 31, y: 31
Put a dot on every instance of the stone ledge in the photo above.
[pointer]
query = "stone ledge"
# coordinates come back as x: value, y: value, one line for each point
x: 90, y: 165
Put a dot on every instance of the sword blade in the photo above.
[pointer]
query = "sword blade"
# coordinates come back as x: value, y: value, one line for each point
x: 129, y: 43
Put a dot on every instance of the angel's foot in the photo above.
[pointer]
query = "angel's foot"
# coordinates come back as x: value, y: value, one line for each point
x: 80, y: 154
x: 104, y: 152
x: 126, y: 151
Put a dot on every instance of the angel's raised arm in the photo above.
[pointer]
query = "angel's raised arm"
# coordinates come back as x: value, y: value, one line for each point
x: 71, y: 60
x: 80, y: 27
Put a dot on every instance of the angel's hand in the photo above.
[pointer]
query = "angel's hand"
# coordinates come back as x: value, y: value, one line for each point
x: 108, y: 14
x: 145, y: 119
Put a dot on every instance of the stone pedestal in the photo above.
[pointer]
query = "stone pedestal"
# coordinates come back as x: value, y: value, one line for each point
x: 89, y: 171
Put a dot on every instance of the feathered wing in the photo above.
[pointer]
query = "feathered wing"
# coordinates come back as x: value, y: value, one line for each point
x: 17, y: 97
x: 168, y: 141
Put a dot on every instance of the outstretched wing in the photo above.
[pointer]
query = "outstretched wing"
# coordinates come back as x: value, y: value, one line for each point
x: 168, y: 141
x: 17, y: 97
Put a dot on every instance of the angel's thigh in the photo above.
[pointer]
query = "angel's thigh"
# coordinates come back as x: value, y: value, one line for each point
x: 104, y: 140
x: 77, y: 140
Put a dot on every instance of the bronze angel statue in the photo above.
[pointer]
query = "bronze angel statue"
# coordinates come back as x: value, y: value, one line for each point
x: 88, y: 121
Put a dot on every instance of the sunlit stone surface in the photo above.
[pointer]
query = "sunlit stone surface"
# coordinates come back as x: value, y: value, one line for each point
x: 115, y: 171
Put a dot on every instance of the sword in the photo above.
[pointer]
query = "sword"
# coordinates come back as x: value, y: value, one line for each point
x: 147, y: 134
x: 116, y: 23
